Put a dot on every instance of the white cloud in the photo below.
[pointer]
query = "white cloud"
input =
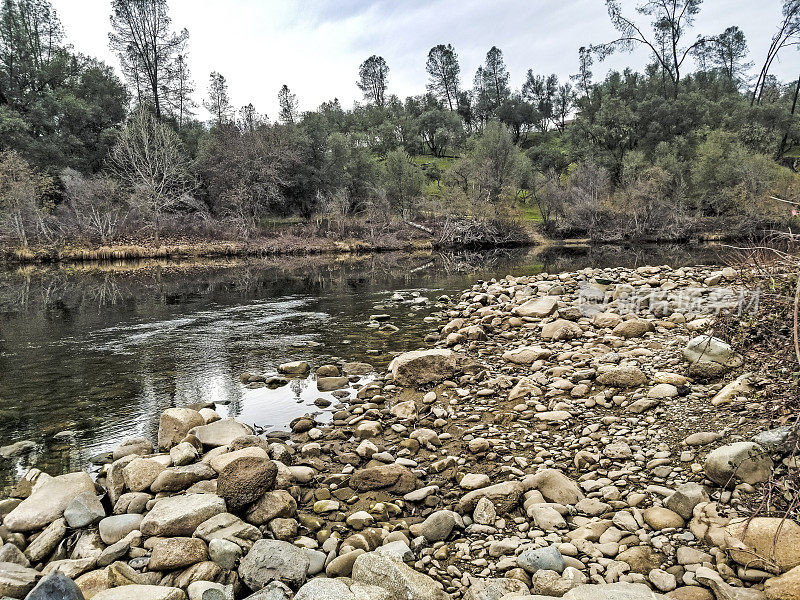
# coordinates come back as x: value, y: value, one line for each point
x: 315, y: 46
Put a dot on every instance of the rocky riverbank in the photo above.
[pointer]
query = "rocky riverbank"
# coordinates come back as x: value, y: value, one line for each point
x: 574, y: 435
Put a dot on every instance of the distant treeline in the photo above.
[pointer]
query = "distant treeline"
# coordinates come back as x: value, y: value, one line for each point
x: 703, y: 133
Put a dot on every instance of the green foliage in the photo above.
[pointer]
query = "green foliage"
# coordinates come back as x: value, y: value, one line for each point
x: 402, y: 179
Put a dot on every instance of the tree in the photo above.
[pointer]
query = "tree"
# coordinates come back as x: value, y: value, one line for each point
x: 443, y: 74
x: 218, y: 103
x: 788, y: 34
x: 287, y: 102
x: 729, y: 53
x: 372, y: 79
x: 22, y: 190
x: 57, y: 108
x: 671, y: 19
x: 150, y: 159
x: 495, y: 77
x: 179, y: 95
x: 250, y: 118
x: 583, y: 78
x: 542, y: 93
x: 147, y: 48
x: 402, y: 179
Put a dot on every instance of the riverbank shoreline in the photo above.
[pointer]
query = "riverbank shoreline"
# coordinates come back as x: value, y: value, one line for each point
x: 570, y: 434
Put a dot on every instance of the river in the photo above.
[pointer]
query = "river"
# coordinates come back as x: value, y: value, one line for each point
x: 90, y: 354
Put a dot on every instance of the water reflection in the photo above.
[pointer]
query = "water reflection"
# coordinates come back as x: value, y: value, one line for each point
x: 101, y: 350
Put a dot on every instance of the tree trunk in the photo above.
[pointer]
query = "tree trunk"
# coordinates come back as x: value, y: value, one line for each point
x: 785, y: 138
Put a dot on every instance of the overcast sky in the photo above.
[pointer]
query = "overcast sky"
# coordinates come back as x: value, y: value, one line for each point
x: 316, y: 46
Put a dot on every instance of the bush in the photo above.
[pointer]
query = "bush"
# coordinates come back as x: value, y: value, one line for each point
x: 93, y: 206
x: 25, y: 199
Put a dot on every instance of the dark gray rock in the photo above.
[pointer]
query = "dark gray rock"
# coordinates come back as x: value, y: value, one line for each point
x: 55, y: 586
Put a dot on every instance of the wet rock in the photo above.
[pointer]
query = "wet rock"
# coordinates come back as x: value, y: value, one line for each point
x: 17, y: 449
x: 180, y: 515
x: 274, y: 560
x: 740, y: 461
x: 48, y: 501
x: 298, y: 367
x: 328, y: 384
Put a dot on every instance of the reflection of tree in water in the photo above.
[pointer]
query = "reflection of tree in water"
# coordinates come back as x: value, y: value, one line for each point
x: 297, y: 386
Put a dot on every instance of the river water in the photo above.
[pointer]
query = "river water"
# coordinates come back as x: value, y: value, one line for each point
x: 91, y: 354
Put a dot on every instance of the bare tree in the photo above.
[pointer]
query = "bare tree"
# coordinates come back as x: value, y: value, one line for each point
x: 150, y: 159
x: 178, y: 94
x: 671, y: 21
x: 21, y: 193
x: 788, y: 34
x: 147, y: 47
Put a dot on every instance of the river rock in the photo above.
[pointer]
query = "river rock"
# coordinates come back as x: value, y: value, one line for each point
x: 85, y: 509
x: 140, y: 473
x: 245, y: 480
x: 613, y: 591
x: 180, y: 515
x: 662, y: 518
x: 496, y: 588
x: 526, y: 355
x: 175, y: 423
x: 274, y: 560
x: 46, y: 541
x: 624, y: 376
x: 785, y: 587
x: 738, y: 387
x: 538, y: 307
x: 328, y: 384
x: 505, y: 496
x: 740, y: 461
x: 175, y: 479
x: 685, y: 497
x: 114, y: 528
x: 325, y: 589
x: 388, y: 571
x: 436, y: 527
x: 297, y: 367
x: 16, y: 580
x: 642, y: 559
x: 141, y: 592
x: 632, y: 328
x: 536, y: 559
x: 771, y: 539
x: 176, y: 552
x: 420, y: 367
x: 708, y: 348
x: 230, y: 528
x: 55, y: 586
x: 561, y: 329
x: 780, y: 440
x: 220, y: 433
x: 137, y: 445
x: 48, y: 501
x: 556, y: 487
x: 393, y: 478
x: 272, y: 505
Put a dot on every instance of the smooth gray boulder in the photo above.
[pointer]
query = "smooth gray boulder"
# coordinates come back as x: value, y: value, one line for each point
x: 55, y: 586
